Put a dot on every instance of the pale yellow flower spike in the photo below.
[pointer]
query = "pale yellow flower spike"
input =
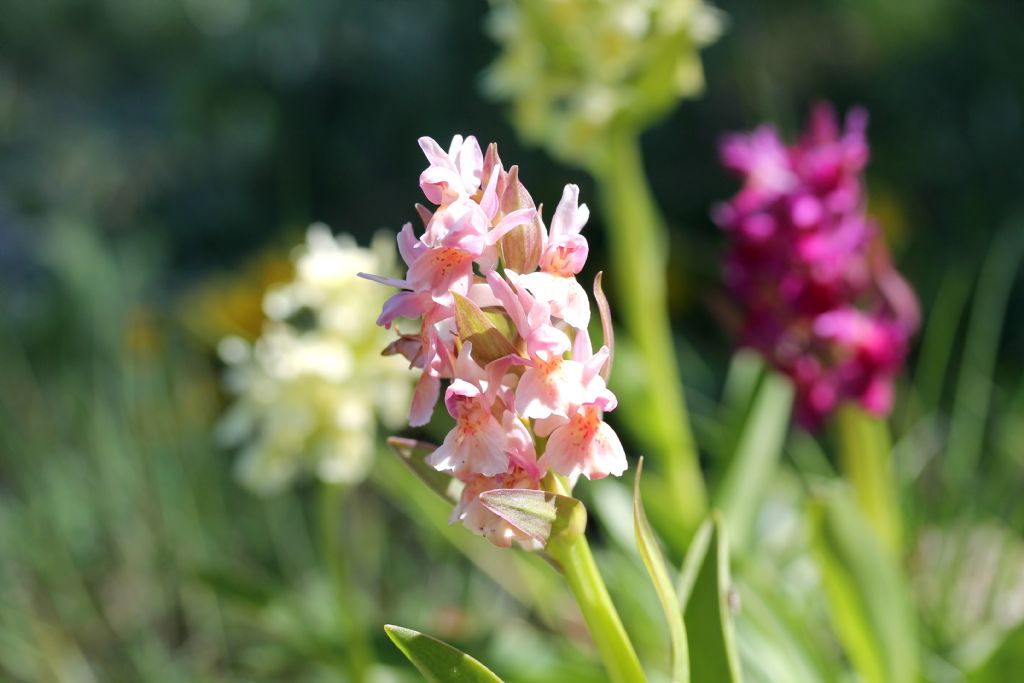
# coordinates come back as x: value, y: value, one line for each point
x: 573, y: 68
x: 311, y: 390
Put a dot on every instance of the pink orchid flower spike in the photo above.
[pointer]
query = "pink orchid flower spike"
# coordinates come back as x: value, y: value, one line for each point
x: 535, y: 374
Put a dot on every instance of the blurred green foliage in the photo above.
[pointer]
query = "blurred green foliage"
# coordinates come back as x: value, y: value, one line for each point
x: 150, y: 147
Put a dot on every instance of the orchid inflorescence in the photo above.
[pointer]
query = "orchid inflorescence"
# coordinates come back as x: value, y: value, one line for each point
x: 810, y: 269
x: 503, y: 320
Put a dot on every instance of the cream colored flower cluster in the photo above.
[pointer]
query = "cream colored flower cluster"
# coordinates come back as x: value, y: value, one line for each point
x: 310, y: 391
x: 572, y: 68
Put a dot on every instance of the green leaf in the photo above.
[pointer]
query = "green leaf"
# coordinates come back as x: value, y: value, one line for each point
x: 236, y: 588
x: 1005, y: 663
x: 704, y: 588
x: 777, y: 640
x: 650, y: 552
x: 868, y: 603
x: 742, y: 379
x: 438, y: 661
x: 981, y: 348
x: 758, y: 449
x: 413, y: 455
x: 541, y: 515
x: 939, y: 337
x: 475, y: 327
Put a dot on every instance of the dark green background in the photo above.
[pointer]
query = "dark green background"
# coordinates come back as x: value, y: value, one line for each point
x: 209, y: 129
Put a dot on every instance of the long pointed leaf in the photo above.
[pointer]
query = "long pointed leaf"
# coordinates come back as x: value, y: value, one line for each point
x: 413, y: 455
x: 704, y: 589
x: 939, y: 337
x: 974, y: 383
x: 758, y: 449
x: 868, y: 602
x: 438, y: 661
x: 650, y: 552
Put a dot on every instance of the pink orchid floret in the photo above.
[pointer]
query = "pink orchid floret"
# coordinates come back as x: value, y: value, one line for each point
x: 543, y: 384
x: 562, y: 258
x: 452, y: 174
x: 566, y: 249
x: 477, y: 442
x: 809, y: 269
x: 584, y: 443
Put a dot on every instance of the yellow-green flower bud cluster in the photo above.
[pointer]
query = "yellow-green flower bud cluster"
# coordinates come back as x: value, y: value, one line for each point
x: 574, y: 68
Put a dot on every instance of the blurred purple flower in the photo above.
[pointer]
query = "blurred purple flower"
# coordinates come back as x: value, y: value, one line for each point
x: 810, y: 270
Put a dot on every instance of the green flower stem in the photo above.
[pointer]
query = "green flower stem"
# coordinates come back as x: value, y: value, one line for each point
x: 639, y: 251
x: 865, y: 450
x: 572, y: 553
x: 602, y: 619
x: 345, y: 591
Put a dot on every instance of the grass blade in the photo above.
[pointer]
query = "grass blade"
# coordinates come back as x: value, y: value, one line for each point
x: 974, y: 384
x: 650, y: 552
x: 704, y: 589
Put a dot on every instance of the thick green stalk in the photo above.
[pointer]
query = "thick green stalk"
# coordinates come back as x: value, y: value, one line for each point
x: 346, y: 592
x: 602, y: 619
x: 639, y: 251
x: 572, y: 553
x: 865, y: 459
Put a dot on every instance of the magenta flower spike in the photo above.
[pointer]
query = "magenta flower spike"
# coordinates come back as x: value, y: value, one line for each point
x: 809, y: 268
x: 510, y: 350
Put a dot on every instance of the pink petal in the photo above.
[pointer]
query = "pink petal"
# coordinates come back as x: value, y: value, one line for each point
x: 489, y: 199
x: 549, y: 388
x: 510, y: 221
x: 435, y: 155
x: 470, y: 162
x: 409, y: 246
x: 570, y: 217
x: 566, y: 297
x: 476, y: 450
x: 587, y: 446
x: 404, y: 304
x: 424, y: 398
x: 389, y: 281
x: 440, y: 271
x: 440, y: 184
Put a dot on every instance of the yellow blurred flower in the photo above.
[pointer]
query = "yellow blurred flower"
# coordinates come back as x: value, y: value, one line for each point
x: 232, y: 304
x: 310, y: 391
x: 572, y: 68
